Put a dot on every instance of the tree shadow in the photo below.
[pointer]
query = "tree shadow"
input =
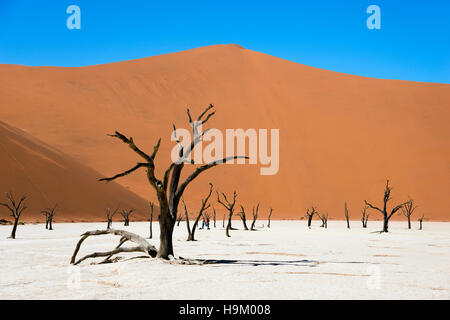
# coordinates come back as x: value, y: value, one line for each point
x: 257, y: 263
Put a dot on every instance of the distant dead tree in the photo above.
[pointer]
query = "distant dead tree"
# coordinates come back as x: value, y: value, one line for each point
x: 170, y: 189
x: 214, y: 215
x: 408, y: 210
x: 310, y: 215
x: 384, y: 211
x: 126, y: 216
x: 346, y: 216
x: 16, y: 208
x: 364, y: 216
x: 109, y: 216
x: 229, y: 205
x: 186, y: 213
x: 223, y: 221
x: 151, y: 220
x: 49, y: 213
x: 270, y: 215
x: 324, y: 218
x: 420, y: 221
x: 255, y: 216
x: 205, y: 205
x: 243, y: 217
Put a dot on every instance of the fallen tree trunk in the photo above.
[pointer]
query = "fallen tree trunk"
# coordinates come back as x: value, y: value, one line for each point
x: 143, y: 245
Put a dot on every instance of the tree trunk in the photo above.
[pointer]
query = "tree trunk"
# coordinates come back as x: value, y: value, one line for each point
x: 409, y: 222
x: 50, y: 224
x: 229, y: 224
x: 385, y: 224
x: 420, y: 225
x: 13, y: 232
x: 165, y: 238
x: 244, y: 222
x: 223, y: 222
x: 309, y: 221
x: 151, y: 225
x: 46, y: 223
x: 109, y: 224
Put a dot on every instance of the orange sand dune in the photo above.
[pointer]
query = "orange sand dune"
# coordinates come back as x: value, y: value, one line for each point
x: 49, y: 176
x: 341, y: 135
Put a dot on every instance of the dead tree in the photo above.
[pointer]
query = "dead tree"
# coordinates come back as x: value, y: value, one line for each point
x: 364, y: 216
x: 169, y: 193
x: 346, y: 216
x: 223, y: 221
x: 408, y: 210
x: 214, y: 215
x: 324, y: 219
x: 16, y: 208
x: 310, y: 215
x: 188, y: 226
x: 204, y: 206
x: 384, y: 211
x: 109, y: 216
x: 229, y: 205
x: 126, y: 216
x: 49, y: 213
x: 142, y: 245
x: 270, y: 215
x: 243, y: 217
x: 151, y: 221
x: 420, y: 221
x: 255, y: 216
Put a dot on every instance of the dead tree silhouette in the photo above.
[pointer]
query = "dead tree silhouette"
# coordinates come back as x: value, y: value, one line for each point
x: 420, y: 221
x: 126, y: 216
x: 310, y: 215
x: 49, y: 213
x: 408, y: 210
x: 229, y: 205
x: 243, y: 217
x: 109, y: 216
x: 255, y: 216
x: 384, y: 211
x: 346, y: 216
x: 324, y: 219
x: 16, y: 208
x: 169, y: 193
x: 364, y: 216
x: 205, y: 206
x: 270, y: 215
x: 151, y: 220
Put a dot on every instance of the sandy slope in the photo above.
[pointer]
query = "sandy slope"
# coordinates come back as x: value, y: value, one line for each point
x: 341, y: 135
x: 288, y: 261
x: 49, y: 176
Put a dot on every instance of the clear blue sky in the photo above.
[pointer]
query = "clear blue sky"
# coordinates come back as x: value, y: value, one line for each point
x: 413, y: 43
